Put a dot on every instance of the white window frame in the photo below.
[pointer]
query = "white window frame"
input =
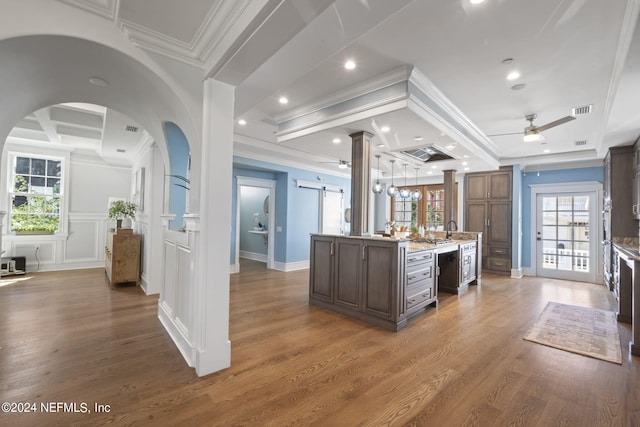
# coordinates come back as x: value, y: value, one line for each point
x: 37, y: 153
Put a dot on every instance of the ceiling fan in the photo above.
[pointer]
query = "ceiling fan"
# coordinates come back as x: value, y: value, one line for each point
x: 533, y: 133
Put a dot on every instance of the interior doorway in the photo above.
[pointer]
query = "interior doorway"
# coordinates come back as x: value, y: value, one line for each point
x: 255, y: 220
x: 566, y: 235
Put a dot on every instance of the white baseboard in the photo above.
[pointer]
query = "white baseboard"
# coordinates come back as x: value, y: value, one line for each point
x: 32, y: 267
x: 516, y: 273
x: 528, y: 271
x: 234, y: 268
x: 184, y: 346
x: 253, y: 256
x: 291, y: 266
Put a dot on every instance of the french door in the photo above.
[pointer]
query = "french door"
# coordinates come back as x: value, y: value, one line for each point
x: 566, y: 236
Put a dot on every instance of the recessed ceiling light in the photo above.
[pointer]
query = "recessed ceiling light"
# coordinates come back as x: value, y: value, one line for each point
x: 97, y: 81
x: 380, y: 145
x: 466, y: 169
x: 513, y: 75
x: 433, y: 167
x: 519, y: 86
x: 385, y: 128
x: 283, y: 100
x: 417, y: 138
x: 451, y: 146
x: 242, y: 122
x: 465, y: 163
x: 429, y: 172
x: 350, y: 65
x: 336, y: 140
x: 546, y: 151
x: 476, y: 1
x: 466, y: 156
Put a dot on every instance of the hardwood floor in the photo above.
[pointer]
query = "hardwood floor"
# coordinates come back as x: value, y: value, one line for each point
x: 68, y: 337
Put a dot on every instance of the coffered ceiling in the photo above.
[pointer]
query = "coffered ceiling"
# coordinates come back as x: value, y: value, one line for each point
x: 433, y: 72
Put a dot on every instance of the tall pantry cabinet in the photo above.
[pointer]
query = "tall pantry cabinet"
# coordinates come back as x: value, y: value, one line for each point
x: 488, y: 206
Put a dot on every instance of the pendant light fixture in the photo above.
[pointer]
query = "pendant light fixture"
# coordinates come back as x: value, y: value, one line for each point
x: 392, y: 190
x: 405, y: 193
x: 416, y: 194
x: 378, y: 187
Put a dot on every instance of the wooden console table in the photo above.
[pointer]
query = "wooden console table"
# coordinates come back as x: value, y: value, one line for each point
x: 122, y: 256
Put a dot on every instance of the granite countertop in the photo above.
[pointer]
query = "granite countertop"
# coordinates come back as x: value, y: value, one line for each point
x: 445, y: 246
x: 627, y: 246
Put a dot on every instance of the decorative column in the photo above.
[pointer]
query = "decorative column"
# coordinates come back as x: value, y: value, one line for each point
x: 360, y: 182
x: 449, y: 196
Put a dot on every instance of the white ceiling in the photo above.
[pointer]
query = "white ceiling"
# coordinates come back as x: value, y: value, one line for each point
x: 447, y: 55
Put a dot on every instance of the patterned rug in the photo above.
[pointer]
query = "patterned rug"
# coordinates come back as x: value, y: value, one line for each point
x: 587, y: 331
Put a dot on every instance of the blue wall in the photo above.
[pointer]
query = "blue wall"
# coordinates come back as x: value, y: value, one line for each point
x: 549, y: 177
x: 179, y: 154
x: 297, y: 209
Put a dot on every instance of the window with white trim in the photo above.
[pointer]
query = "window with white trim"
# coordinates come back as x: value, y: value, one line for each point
x: 35, y: 194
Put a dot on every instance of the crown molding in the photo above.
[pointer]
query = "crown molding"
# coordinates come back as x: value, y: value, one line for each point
x: 379, y: 82
x: 105, y: 8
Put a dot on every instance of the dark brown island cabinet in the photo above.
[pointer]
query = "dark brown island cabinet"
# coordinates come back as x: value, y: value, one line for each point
x: 384, y: 281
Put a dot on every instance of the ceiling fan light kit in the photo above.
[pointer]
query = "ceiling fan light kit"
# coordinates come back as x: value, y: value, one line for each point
x: 532, y: 133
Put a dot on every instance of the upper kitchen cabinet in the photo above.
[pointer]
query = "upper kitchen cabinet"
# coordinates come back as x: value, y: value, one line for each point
x: 489, y: 185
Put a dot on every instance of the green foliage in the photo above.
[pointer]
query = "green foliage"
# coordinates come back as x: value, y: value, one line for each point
x: 120, y: 209
x: 36, y: 213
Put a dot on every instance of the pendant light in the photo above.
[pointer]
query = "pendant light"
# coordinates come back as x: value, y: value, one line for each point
x: 405, y: 193
x: 378, y: 187
x: 392, y: 190
x: 416, y: 194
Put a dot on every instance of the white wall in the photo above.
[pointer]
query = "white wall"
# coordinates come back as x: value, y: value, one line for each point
x: 89, y: 184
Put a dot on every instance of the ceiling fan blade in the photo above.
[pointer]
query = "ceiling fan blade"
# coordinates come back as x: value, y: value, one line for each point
x: 555, y: 123
x: 504, y: 134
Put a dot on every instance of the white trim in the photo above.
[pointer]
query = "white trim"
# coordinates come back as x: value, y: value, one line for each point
x: 271, y: 186
x: 567, y: 187
x: 234, y: 268
x: 291, y: 266
x: 185, y: 348
x: 516, y: 273
x: 253, y: 256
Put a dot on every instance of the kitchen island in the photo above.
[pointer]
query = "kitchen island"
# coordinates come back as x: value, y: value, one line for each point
x: 385, y: 281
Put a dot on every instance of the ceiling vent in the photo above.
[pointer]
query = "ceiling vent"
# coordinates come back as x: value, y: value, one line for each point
x: 426, y: 154
x: 581, y: 142
x: 579, y: 111
x: 130, y: 128
x: 121, y: 150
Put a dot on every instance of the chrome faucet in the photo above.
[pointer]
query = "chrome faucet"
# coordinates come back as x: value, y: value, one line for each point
x: 447, y: 236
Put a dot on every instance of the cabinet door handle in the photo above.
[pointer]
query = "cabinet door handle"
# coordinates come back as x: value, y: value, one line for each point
x: 488, y: 222
x: 331, y: 248
x: 364, y: 248
x: 635, y: 209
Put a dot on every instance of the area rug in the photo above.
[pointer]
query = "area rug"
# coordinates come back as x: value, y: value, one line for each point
x: 582, y: 330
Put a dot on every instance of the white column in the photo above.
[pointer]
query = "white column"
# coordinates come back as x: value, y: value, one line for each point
x: 211, y: 299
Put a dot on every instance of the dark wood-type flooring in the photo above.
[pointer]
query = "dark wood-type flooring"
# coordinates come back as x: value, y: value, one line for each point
x: 69, y: 337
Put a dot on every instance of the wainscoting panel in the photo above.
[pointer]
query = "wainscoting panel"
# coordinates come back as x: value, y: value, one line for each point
x: 183, y: 308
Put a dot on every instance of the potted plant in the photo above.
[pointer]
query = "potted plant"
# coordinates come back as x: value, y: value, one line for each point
x: 122, y: 210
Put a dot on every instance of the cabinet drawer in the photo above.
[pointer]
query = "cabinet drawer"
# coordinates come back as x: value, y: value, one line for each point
x: 419, y: 258
x: 469, y: 247
x: 499, y: 264
x: 416, y: 276
x: 500, y: 252
x: 418, y: 299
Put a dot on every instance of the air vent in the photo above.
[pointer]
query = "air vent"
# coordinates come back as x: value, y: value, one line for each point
x: 426, y: 154
x: 130, y: 128
x: 581, y: 142
x: 578, y: 111
x: 120, y: 150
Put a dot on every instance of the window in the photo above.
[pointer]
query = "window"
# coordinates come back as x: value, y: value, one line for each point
x: 429, y: 211
x: 35, y: 194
